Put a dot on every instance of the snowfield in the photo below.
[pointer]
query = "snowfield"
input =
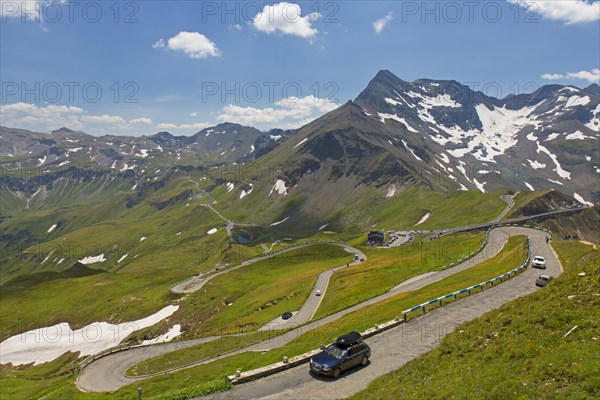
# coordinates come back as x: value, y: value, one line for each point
x: 43, y: 345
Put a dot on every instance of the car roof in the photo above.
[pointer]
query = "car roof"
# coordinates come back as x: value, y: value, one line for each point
x: 539, y: 257
x: 544, y: 277
x: 349, y: 338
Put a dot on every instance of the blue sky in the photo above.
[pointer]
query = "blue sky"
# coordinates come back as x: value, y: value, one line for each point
x: 184, y: 65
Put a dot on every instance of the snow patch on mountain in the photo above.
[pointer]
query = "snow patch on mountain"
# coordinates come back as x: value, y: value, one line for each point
x: 559, y: 170
x: 280, y: 222
x: 578, y: 135
x: 553, y: 181
x: 384, y: 116
x: 594, y: 123
x: 230, y: 186
x: 577, y: 101
x: 529, y: 186
x: 172, y: 333
x: 536, y: 165
x: 479, y: 185
x: 423, y: 219
x: 279, y: 187
x: 245, y: 193
x: 443, y: 157
x: 391, y: 191
x: 301, y: 142
x: 53, y: 227
x: 582, y: 200
x: 411, y: 150
x: 92, y: 259
x: 27, y: 347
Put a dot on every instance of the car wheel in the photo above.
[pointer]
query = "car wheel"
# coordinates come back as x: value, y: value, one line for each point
x: 337, y: 372
x: 365, y: 360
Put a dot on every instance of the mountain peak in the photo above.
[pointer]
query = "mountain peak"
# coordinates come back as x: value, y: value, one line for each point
x: 593, y: 89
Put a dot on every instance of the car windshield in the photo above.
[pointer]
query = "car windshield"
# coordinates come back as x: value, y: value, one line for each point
x: 335, y: 351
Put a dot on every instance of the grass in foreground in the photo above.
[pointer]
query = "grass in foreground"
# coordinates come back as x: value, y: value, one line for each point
x: 518, y: 351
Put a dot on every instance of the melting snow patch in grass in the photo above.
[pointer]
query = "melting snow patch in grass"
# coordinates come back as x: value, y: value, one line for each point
x: 122, y: 258
x: 212, y: 231
x: 279, y: 187
x: 230, y: 187
x: 143, y: 238
x: 423, y: 219
x: 280, y: 222
x: 53, y: 227
x: 391, y: 191
x: 46, y: 344
x: 246, y: 193
x: 93, y: 259
x: 170, y: 335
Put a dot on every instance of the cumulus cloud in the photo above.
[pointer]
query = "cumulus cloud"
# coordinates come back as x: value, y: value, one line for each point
x: 194, y: 44
x: 286, y: 18
x: 380, y: 23
x: 104, y: 119
x: 592, y: 76
x: 34, y: 117
x: 142, y: 121
x: 194, y: 126
x: 290, y: 112
x: 569, y: 11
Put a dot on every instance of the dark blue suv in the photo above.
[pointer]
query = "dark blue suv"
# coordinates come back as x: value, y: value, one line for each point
x: 347, y: 352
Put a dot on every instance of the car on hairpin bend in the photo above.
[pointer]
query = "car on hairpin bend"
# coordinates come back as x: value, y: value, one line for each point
x: 348, y: 351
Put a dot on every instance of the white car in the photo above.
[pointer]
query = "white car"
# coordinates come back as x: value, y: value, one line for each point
x: 538, y: 262
x: 318, y: 293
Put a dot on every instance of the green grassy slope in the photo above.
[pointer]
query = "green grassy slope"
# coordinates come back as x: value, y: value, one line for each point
x: 518, y: 351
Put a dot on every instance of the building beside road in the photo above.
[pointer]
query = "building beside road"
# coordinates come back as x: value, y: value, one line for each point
x: 375, y: 238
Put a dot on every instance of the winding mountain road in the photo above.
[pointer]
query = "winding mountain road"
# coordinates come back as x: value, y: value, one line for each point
x: 394, y: 348
x: 107, y: 373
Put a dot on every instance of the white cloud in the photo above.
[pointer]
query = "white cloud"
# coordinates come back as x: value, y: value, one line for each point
x: 569, y: 11
x: 159, y: 44
x: 592, y: 76
x: 286, y: 18
x: 194, y: 44
x: 26, y: 115
x: 379, y: 24
x: 290, y: 112
x: 194, y: 114
x: 104, y: 119
x: 195, y: 126
x: 31, y: 116
x: 142, y: 121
